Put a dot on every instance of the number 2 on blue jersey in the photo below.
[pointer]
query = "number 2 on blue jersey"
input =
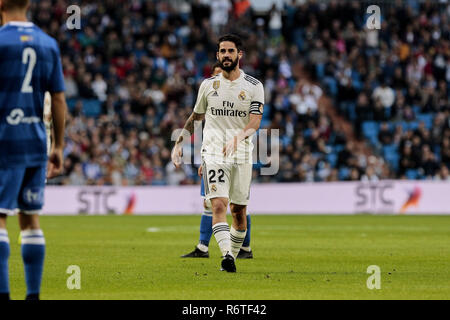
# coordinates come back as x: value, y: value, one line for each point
x: 28, y: 56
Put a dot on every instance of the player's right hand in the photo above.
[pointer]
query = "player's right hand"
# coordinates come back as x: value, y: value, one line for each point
x: 55, y: 163
x: 177, y: 153
x: 200, y: 171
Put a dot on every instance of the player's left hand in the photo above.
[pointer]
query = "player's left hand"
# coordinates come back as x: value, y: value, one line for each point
x: 230, y: 147
x: 55, y: 163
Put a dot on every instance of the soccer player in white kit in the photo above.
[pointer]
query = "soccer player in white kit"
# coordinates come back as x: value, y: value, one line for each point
x: 231, y: 104
x: 48, y: 121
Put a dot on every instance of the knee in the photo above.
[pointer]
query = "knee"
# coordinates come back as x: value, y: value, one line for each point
x: 218, y: 206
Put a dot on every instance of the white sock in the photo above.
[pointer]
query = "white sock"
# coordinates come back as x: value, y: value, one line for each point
x: 4, y: 236
x: 237, y: 238
x: 221, y: 232
x: 202, y: 247
x: 32, y: 236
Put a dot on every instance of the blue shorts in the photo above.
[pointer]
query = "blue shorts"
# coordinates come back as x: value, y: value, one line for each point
x: 202, y: 189
x: 22, y: 189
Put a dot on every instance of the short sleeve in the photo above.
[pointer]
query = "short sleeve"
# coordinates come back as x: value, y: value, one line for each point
x: 56, y: 81
x: 201, y: 103
x: 257, y: 103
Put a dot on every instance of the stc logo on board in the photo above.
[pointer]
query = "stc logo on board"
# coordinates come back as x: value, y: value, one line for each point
x: 105, y: 201
x: 381, y: 197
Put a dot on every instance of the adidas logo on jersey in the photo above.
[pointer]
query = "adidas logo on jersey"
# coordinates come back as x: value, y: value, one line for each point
x: 215, y: 94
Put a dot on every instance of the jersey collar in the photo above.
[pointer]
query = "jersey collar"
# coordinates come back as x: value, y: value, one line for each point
x: 226, y: 80
x: 20, y: 24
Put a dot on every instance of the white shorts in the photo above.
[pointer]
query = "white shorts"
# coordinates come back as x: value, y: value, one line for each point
x: 230, y: 181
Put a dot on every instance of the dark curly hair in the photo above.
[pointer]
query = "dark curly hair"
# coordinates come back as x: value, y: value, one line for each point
x: 232, y: 38
x: 14, y: 4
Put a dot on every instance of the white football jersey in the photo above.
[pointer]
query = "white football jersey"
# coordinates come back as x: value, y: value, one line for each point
x: 227, y: 106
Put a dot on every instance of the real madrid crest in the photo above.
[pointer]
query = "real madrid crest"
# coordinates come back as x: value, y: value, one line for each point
x: 213, y: 188
x: 216, y: 84
x: 241, y: 96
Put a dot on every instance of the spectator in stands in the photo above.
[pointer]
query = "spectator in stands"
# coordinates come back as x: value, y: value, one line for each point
x: 445, y: 151
x: 443, y: 174
x: 407, y: 160
x: 428, y: 165
x: 345, y: 155
x: 100, y: 87
x: 77, y: 177
x: 385, y: 134
x: 354, y: 175
x: 275, y: 22
x: 363, y: 112
x: 219, y: 14
x: 370, y: 175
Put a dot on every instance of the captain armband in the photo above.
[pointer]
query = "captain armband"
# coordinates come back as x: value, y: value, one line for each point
x: 256, y: 108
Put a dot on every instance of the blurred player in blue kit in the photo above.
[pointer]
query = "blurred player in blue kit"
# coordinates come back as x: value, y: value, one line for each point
x: 201, y: 249
x: 30, y: 65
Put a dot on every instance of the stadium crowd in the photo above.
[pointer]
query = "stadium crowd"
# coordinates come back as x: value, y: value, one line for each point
x: 133, y: 69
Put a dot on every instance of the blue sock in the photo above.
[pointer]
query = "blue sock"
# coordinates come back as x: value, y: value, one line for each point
x: 206, y: 228
x: 33, y: 252
x: 4, y: 256
x: 246, y: 242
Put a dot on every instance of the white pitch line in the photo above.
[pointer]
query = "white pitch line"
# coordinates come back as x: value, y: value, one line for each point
x: 173, y: 229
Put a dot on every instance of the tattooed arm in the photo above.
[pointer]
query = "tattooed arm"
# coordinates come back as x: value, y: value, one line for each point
x: 188, y: 129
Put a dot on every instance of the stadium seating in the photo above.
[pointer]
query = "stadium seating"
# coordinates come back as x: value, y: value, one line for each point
x: 390, y: 153
x: 370, y: 131
x: 332, y: 159
x: 90, y: 107
x: 427, y: 118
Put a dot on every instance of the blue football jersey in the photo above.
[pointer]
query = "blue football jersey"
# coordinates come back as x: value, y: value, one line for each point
x: 30, y: 65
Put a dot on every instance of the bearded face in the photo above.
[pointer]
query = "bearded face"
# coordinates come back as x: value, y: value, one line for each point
x: 228, y: 64
x: 228, y: 56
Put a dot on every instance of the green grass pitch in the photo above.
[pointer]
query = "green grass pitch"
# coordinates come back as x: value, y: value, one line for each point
x: 296, y: 257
